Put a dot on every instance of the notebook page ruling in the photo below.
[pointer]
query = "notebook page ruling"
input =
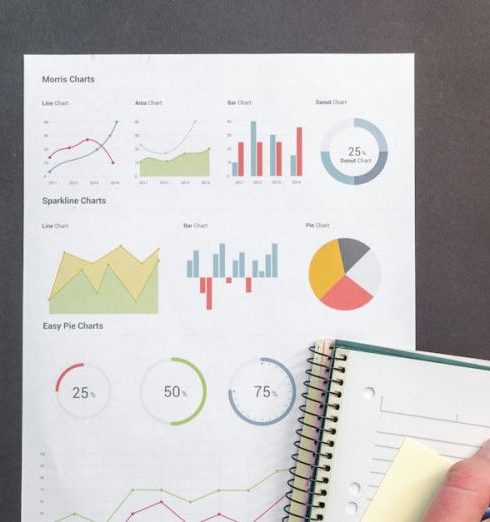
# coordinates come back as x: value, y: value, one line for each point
x: 387, y: 399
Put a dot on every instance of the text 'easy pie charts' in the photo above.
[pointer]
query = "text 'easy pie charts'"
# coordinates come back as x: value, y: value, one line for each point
x: 344, y: 274
x: 354, y: 151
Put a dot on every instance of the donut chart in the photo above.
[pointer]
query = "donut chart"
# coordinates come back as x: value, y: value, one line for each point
x: 262, y: 392
x: 344, y: 274
x: 173, y: 391
x: 82, y: 390
x: 354, y: 151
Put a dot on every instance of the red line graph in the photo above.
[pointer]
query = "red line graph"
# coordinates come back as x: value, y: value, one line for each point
x: 161, y: 504
x: 70, y: 147
x: 219, y: 515
x: 269, y: 508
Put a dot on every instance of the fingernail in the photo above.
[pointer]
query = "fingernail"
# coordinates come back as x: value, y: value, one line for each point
x: 484, y: 451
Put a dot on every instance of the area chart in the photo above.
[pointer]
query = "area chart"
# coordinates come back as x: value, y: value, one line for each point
x: 117, y: 283
x: 187, y: 164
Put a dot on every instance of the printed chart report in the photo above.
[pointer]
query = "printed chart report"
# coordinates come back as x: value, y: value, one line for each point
x: 192, y: 224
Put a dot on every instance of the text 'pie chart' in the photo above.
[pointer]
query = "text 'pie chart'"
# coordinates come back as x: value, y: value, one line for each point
x: 344, y: 274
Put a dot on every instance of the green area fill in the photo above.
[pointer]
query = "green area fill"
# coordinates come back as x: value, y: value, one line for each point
x: 80, y: 297
x: 187, y: 164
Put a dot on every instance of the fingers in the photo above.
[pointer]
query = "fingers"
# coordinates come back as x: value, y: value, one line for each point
x: 465, y: 493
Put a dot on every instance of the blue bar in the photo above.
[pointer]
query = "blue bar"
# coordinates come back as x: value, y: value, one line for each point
x: 215, y: 265
x: 235, y: 268
x: 222, y: 260
x: 273, y: 154
x: 293, y: 165
x: 195, y: 262
x: 253, y: 148
x: 274, y: 260
x: 189, y: 268
x: 234, y: 169
x: 261, y: 273
x: 268, y: 271
x: 255, y: 268
x: 241, y: 262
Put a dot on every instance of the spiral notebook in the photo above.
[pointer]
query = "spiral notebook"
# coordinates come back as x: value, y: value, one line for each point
x: 361, y: 403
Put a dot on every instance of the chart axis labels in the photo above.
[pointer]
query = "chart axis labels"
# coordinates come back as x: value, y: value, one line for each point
x: 344, y: 274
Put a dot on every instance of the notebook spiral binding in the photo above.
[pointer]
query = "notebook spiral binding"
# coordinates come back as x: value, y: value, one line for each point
x: 311, y: 472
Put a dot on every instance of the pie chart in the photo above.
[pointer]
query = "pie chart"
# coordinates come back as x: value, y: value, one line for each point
x: 344, y: 274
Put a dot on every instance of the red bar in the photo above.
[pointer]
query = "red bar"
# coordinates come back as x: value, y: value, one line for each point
x: 248, y: 284
x: 202, y: 285
x: 240, y: 158
x: 299, y: 151
x: 278, y: 158
x: 209, y: 293
x: 229, y: 280
x: 259, y: 158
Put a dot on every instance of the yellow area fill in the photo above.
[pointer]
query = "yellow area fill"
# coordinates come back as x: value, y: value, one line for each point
x: 132, y: 272
x: 409, y: 486
x: 326, y: 268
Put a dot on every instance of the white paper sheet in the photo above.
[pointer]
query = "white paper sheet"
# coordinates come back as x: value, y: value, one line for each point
x: 145, y: 398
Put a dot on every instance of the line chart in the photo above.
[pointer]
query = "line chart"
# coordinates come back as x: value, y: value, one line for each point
x: 85, y: 140
x: 165, y: 507
x: 164, y: 504
x: 100, y: 146
x: 169, y: 151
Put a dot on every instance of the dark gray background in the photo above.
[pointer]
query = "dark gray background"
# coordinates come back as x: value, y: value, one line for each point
x: 451, y: 40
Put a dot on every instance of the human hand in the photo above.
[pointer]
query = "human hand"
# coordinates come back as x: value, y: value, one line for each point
x: 465, y: 494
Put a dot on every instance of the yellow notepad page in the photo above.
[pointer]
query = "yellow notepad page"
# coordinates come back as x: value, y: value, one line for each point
x: 409, y: 486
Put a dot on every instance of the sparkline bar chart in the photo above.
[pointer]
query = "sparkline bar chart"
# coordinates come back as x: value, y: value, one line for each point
x: 240, y: 270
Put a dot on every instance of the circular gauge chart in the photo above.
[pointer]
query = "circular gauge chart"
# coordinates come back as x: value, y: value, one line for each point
x: 262, y: 392
x: 174, y: 391
x: 354, y: 151
x: 344, y: 274
x: 82, y: 390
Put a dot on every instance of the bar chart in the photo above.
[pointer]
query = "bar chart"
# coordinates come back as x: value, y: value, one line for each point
x: 237, y: 268
x: 259, y: 154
